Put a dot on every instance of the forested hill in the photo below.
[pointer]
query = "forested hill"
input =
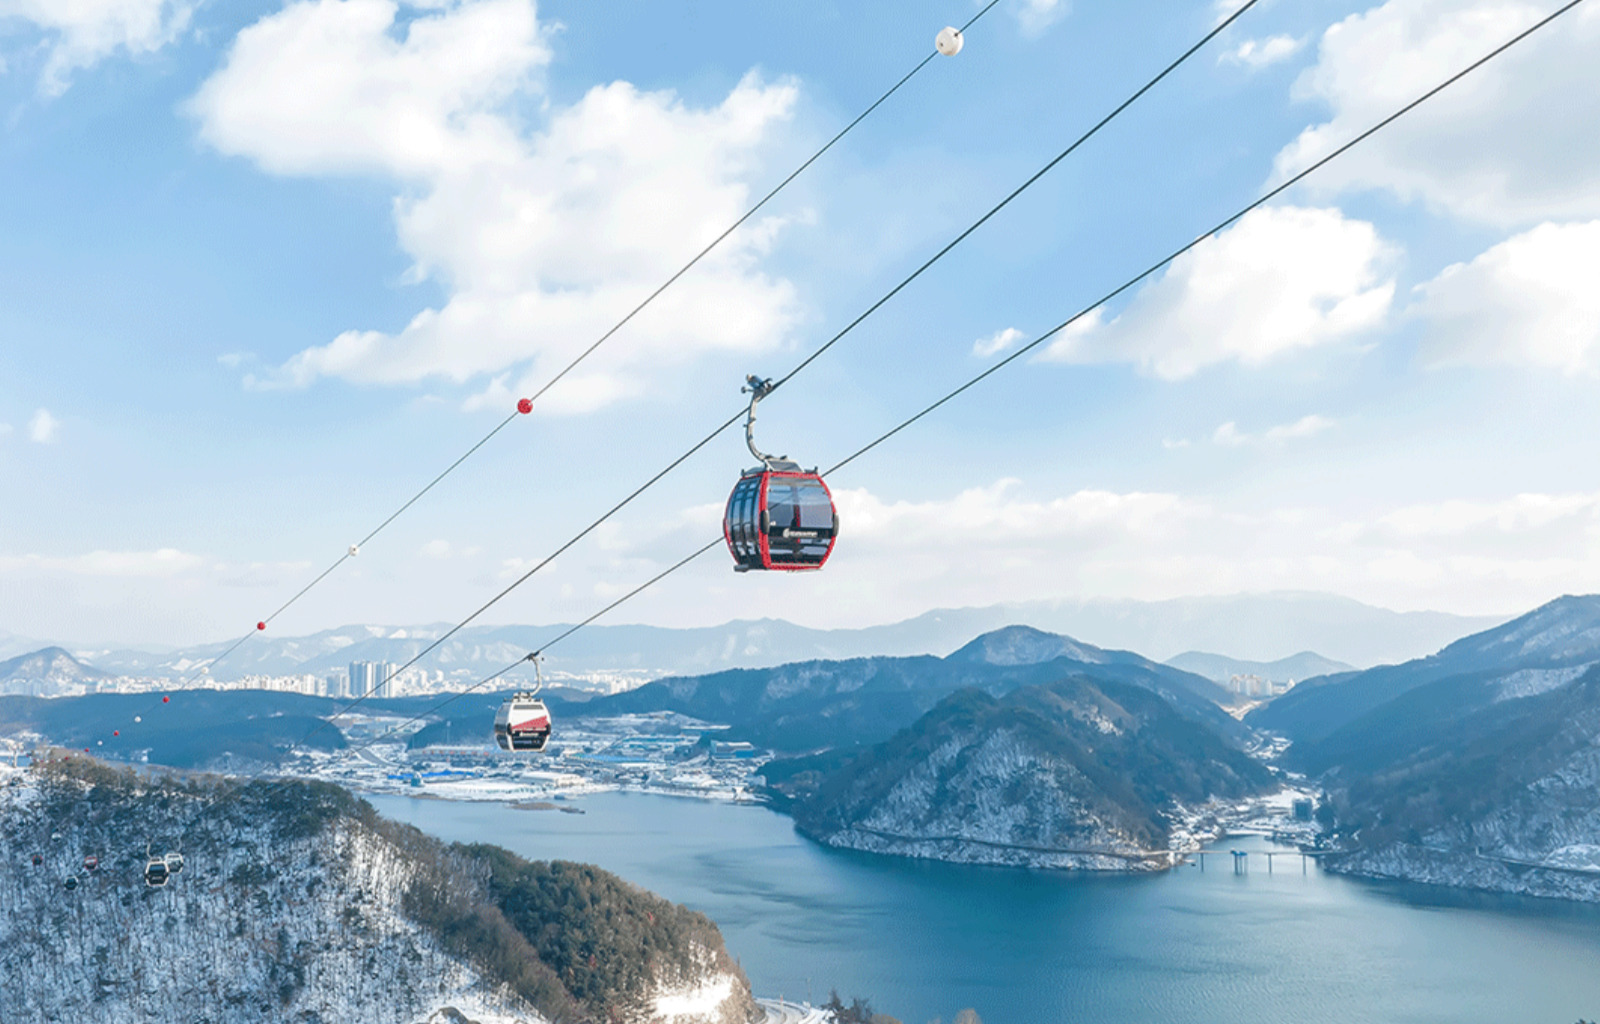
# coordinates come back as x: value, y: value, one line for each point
x: 1499, y: 796
x: 1076, y: 773
x: 296, y: 902
x: 815, y: 704
x: 1477, y: 766
x: 1542, y: 650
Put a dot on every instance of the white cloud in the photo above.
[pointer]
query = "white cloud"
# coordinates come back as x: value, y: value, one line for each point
x: 437, y: 549
x: 1037, y: 15
x: 81, y: 33
x: 1281, y: 280
x: 1521, y: 514
x: 996, y: 343
x: 1532, y: 300
x: 1000, y: 543
x: 1501, y: 146
x: 542, y: 238
x: 996, y: 514
x: 163, y: 562
x: 42, y: 427
x: 1229, y: 435
x: 1260, y: 53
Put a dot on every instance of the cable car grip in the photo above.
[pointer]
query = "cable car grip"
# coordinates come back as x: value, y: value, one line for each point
x: 758, y: 388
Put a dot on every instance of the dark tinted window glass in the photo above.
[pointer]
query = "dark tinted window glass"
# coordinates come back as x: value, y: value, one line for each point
x: 782, y: 509
x: 816, y: 511
x: 742, y: 514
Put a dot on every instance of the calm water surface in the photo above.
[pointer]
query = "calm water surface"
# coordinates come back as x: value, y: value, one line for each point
x: 1032, y: 947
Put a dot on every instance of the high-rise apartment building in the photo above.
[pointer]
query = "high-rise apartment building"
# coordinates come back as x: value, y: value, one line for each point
x: 372, y: 677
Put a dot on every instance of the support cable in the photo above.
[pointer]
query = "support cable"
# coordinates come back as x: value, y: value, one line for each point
x: 525, y: 405
x: 773, y: 386
x: 1129, y: 283
x: 808, y: 360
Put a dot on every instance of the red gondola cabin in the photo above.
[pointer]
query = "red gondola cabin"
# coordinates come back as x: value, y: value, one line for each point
x: 780, y: 517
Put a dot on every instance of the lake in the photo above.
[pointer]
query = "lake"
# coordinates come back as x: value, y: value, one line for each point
x: 923, y: 940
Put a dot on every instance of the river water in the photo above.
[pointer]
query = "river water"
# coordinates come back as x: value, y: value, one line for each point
x: 924, y: 940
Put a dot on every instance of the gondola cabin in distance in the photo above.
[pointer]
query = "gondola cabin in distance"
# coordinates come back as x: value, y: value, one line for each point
x: 522, y: 723
x: 779, y: 516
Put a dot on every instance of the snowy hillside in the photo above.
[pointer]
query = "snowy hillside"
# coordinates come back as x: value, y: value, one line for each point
x: 1078, y: 773
x: 297, y: 903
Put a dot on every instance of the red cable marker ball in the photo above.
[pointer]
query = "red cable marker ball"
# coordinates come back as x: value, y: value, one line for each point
x: 166, y: 700
x: 116, y: 732
x: 261, y: 625
x: 524, y: 405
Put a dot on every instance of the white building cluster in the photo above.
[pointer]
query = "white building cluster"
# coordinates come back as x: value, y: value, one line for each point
x: 1254, y: 686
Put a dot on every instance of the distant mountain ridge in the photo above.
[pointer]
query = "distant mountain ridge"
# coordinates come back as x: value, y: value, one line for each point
x: 45, y: 669
x: 1263, y: 627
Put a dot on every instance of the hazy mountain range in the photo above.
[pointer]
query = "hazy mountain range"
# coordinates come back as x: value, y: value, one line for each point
x: 1254, y: 627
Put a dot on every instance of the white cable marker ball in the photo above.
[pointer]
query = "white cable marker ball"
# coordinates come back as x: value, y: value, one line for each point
x: 354, y: 550
x: 948, y: 41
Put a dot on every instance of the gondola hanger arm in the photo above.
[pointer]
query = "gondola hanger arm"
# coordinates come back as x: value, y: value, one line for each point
x: 758, y: 388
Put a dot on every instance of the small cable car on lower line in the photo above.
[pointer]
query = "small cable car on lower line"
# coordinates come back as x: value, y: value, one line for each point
x: 155, y: 869
x: 523, y: 722
x: 779, y: 516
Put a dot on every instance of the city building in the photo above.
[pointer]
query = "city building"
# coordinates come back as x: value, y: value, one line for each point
x: 371, y: 677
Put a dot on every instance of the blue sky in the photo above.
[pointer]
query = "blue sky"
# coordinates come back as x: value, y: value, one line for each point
x: 266, y: 267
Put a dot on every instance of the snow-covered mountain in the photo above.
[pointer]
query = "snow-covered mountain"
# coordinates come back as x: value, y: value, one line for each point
x: 1500, y: 797
x: 1070, y: 774
x: 296, y: 902
x: 1477, y: 766
x: 1545, y: 649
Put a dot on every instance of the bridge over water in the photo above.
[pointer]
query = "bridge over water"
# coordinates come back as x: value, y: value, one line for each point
x: 1241, y: 858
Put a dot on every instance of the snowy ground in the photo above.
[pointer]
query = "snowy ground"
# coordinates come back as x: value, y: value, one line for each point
x: 1270, y: 815
x: 659, y: 753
